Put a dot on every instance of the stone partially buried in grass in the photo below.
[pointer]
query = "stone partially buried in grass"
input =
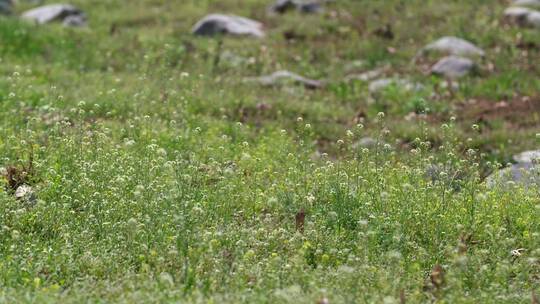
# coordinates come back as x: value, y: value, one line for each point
x: 453, y: 67
x: 281, y: 78
x: 517, y: 15
x: 525, y: 172
x: 383, y: 83
x: 26, y: 194
x: 454, y: 46
x: 366, y: 76
x: 368, y: 143
x: 283, y: 6
x: 68, y: 14
x: 527, y: 156
x: 533, y: 19
x: 218, y: 24
x: 523, y: 16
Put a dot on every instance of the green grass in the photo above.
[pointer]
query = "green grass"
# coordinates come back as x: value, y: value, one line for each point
x: 161, y: 177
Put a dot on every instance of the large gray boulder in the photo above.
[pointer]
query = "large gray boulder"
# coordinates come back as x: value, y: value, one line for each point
x: 283, y: 6
x: 523, y: 174
x: 280, y: 78
x: 526, y: 172
x: 454, y: 46
x: 453, y: 67
x: 6, y: 7
x: 527, y: 156
x: 68, y: 14
x: 218, y: 24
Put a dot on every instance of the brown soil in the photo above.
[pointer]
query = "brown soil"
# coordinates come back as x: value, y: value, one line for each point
x: 519, y: 113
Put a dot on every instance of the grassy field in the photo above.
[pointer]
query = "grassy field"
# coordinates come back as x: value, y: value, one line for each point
x: 161, y: 176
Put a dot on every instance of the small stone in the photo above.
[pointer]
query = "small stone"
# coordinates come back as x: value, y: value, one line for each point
x: 232, y: 59
x: 365, y: 76
x: 75, y: 21
x: 69, y: 15
x: 453, y: 67
x: 367, y: 142
x: 523, y: 16
x: 517, y: 15
x: 454, y: 46
x: 283, y: 6
x: 218, y: 24
x: 310, y: 8
x: 383, y: 83
x: 284, y: 77
x: 25, y: 193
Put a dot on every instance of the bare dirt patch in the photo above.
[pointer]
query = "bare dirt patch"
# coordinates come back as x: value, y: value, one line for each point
x: 519, y: 113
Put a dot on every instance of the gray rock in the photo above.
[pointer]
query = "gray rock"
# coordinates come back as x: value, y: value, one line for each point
x: 283, y: 6
x: 445, y: 173
x: 527, y: 156
x: 75, y: 21
x: 218, y: 24
x: 517, y: 14
x: 232, y: 60
x: 310, y: 8
x: 453, y: 67
x: 56, y: 12
x: 368, y: 143
x: 533, y: 19
x: 285, y: 77
x: 526, y: 172
x: 6, y: 7
x: 523, y: 16
x: 454, y: 46
x: 527, y: 3
x: 26, y: 194
x: 523, y: 174
x: 366, y: 76
x: 383, y: 83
